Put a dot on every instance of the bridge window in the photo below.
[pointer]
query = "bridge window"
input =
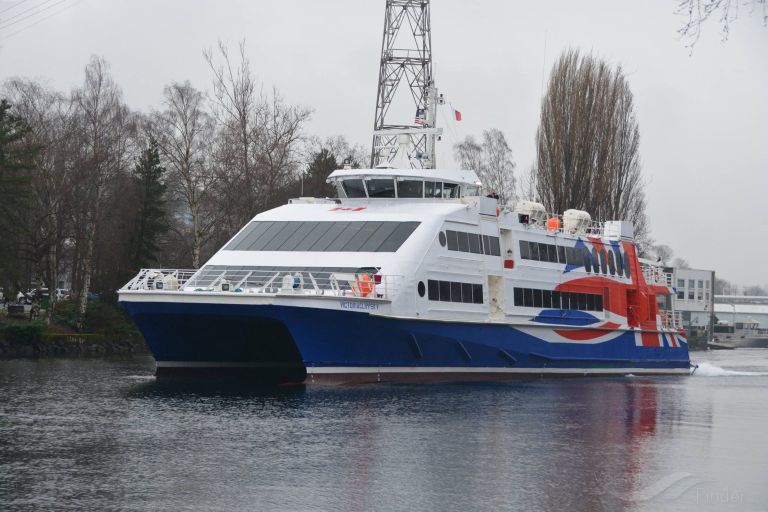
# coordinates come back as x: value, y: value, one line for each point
x: 410, y: 189
x: 380, y: 187
x: 354, y: 188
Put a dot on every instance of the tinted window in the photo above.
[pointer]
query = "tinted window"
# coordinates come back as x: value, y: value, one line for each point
x: 534, y: 250
x: 445, y: 291
x: 528, y: 297
x: 398, y: 236
x: 518, y: 296
x: 380, y: 187
x: 453, y: 240
x: 546, y: 299
x: 525, y: 251
x: 433, y: 291
x: 619, y: 263
x: 486, y: 245
x: 561, y: 254
x: 463, y: 242
x: 555, y: 300
x: 626, y: 265
x: 354, y: 188
x: 495, y: 247
x: 323, y: 236
x: 477, y: 293
x: 433, y: 189
x: 410, y: 188
x: 474, y: 244
x: 375, y: 240
x: 466, y: 292
x: 450, y: 190
x: 585, y: 258
x: 537, y: 298
x: 611, y: 263
x: 551, y: 253
x: 455, y: 292
x: 603, y: 262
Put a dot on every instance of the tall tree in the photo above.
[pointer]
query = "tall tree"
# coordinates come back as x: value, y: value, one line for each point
x: 492, y: 160
x: 588, y: 142
x: 103, y: 118
x: 322, y: 165
x: 151, y: 222
x: 17, y: 157
x: 185, y: 135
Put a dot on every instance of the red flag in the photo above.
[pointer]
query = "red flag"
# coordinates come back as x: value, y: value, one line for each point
x: 456, y: 115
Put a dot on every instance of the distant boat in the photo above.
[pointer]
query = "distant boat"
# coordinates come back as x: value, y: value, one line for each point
x: 746, y: 334
x: 413, y: 274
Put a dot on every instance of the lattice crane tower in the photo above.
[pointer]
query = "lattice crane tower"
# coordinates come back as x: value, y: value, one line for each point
x: 406, y: 56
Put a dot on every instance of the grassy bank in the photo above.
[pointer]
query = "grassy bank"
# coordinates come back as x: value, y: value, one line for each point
x: 108, y: 330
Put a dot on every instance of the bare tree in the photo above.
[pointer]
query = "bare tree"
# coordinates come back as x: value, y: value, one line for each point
x: 103, y: 128
x: 726, y: 11
x: 492, y: 161
x: 259, y: 138
x: 185, y: 133
x: 663, y: 253
x: 50, y: 116
x: 588, y: 141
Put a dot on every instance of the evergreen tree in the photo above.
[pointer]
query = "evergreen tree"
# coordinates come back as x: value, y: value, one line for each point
x: 152, y: 222
x: 323, y: 163
x: 17, y: 158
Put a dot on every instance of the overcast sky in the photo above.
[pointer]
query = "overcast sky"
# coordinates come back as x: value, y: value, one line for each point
x: 703, y: 116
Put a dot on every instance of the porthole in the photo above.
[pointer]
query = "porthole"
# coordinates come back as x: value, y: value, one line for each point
x: 421, y: 288
x: 442, y: 239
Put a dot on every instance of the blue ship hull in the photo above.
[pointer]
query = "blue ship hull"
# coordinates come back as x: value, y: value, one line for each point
x: 299, y: 344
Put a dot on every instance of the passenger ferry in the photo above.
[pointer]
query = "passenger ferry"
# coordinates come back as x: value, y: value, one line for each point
x: 413, y: 274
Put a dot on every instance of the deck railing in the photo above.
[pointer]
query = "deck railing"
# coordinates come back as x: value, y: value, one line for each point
x: 285, y: 281
x: 671, y: 319
x: 656, y: 275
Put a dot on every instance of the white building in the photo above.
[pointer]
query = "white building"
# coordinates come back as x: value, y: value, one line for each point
x: 695, y: 299
x: 742, y: 308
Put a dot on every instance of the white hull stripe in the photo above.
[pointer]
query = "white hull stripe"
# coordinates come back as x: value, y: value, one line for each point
x: 330, y: 370
x: 327, y: 370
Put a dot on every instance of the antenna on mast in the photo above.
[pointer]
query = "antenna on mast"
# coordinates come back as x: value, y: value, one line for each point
x: 406, y: 53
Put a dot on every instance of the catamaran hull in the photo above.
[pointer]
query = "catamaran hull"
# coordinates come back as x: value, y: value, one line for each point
x: 302, y: 344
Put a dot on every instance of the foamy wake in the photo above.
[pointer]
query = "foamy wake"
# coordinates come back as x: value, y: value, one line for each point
x: 710, y: 370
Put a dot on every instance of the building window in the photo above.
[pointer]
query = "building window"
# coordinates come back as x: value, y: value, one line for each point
x: 681, y: 283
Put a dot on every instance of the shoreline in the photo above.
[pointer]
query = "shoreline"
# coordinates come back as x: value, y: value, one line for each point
x: 68, y: 345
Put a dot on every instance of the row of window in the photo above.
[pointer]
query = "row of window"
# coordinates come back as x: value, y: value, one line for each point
x: 548, y: 299
x: 325, y: 236
x: 610, y: 261
x: 449, y: 291
x: 470, y: 242
x: 390, y: 188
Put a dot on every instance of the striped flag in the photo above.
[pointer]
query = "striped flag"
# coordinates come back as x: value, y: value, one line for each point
x: 419, y: 116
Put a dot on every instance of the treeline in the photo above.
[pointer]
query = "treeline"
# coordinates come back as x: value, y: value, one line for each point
x: 91, y: 191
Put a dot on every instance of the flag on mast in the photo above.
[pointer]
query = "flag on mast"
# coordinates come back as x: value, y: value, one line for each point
x: 419, y: 116
x: 456, y: 114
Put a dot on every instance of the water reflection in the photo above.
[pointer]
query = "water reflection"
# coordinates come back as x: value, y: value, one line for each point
x: 90, y: 435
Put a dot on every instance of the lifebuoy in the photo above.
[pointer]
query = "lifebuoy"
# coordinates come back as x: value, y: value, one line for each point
x: 364, y: 285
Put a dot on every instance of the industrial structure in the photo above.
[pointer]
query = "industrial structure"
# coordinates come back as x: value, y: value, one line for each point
x: 406, y: 80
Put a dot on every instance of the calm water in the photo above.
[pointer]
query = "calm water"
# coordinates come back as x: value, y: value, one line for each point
x: 104, y: 435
